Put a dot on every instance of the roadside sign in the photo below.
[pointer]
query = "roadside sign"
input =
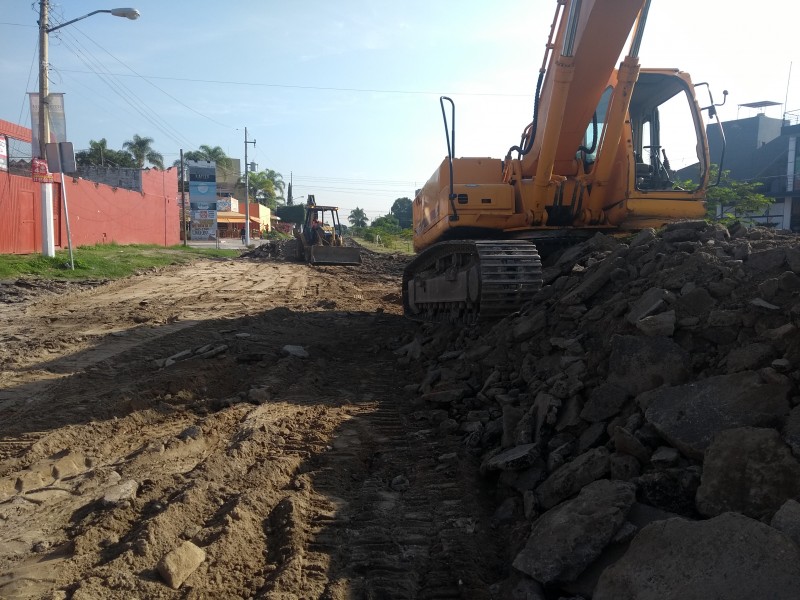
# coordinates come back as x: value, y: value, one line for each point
x: 39, y: 171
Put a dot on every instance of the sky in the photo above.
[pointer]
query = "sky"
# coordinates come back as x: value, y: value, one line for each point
x: 342, y: 97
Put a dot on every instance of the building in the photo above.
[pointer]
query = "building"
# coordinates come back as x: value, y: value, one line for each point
x: 764, y: 149
x: 231, y: 218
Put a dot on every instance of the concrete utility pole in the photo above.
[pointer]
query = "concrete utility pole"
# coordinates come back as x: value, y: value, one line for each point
x: 48, y: 237
x: 247, y: 191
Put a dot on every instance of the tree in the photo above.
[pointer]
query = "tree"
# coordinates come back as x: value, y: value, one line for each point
x: 262, y: 189
x: 732, y: 200
x: 99, y: 154
x: 289, y: 199
x: 277, y: 186
x: 736, y: 200
x: 215, y: 154
x: 95, y: 155
x: 387, y: 223
x: 291, y: 214
x: 142, y: 150
x: 402, y: 211
x: 266, y: 187
x: 357, y: 218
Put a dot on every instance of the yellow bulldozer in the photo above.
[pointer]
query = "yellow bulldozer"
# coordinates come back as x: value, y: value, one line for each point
x: 320, y: 240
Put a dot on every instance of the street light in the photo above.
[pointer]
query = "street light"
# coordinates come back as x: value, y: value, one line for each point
x: 128, y: 13
x: 48, y: 239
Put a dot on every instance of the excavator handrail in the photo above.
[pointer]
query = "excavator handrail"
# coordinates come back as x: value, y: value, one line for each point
x: 712, y: 112
x: 451, y: 148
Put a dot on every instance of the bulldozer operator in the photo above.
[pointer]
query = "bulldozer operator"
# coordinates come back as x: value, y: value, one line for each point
x: 315, y: 234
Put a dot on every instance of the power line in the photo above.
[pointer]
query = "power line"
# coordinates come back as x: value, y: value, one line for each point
x: 325, y: 179
x: 152, y: 84
x: 345, y: 189
x: 27, y: 83
x: 125, y: 93
x: 317, y: 88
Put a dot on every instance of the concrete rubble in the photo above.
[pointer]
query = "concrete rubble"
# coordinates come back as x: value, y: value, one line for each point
x: 640, y: 416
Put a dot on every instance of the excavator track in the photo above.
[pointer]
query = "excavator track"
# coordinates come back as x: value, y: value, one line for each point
x: 463, y: 281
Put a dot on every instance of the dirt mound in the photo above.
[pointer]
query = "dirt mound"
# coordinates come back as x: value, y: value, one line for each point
x: 26, y: 289
x: 273, y: 250
x: 375, y: 262
x: 652, y: 379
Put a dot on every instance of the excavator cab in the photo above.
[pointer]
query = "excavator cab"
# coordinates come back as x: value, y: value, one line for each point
x: 666, y: 132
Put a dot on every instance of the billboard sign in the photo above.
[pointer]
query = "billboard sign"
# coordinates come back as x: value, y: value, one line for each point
x: 57, y: 120
x: 203, y: 199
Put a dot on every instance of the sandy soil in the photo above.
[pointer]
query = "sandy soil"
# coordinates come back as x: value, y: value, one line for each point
x: 164, y: 408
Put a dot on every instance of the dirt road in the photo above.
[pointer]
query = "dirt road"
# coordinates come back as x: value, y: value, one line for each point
x: 166, y: 408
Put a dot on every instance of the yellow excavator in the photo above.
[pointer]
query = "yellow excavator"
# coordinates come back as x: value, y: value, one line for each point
x: 594, y: 158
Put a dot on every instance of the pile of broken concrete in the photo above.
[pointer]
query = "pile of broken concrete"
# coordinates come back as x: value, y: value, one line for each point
x: 640, y: 418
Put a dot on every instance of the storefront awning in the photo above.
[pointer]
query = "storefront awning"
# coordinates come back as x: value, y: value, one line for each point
x: 226, y: 216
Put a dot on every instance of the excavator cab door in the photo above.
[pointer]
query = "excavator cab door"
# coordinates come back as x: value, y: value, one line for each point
x: 667, y: 132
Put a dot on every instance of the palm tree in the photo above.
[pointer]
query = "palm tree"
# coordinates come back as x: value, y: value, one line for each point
x: 215, y: 154
x: 277, y: 184
x: 212, y: 154
x: 357, y: 218
x: 99, y: 154
x: 142, y: 150
x: 266, y: 187
x: 262, y: 189
x: 98, y: 151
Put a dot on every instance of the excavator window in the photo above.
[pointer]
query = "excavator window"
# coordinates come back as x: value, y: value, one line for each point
x: 665, y: 134
x: 591, y: 138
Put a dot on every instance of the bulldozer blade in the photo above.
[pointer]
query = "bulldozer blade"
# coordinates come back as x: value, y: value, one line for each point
x: 333, y: 255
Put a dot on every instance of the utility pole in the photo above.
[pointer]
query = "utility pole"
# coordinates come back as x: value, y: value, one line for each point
x: 48, y: 237
x: 247, y: 190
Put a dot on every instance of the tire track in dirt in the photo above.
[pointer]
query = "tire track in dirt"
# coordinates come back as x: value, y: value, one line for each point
x: 329, y: 485
x: 391, y: 512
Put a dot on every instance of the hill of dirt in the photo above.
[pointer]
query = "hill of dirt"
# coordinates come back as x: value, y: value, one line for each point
x: 639, y: 420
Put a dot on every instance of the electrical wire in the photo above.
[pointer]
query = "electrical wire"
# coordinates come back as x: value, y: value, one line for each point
x: 354, y: 180
x: 127, y: 95
x: 178, y: 100
x: 373, y: 194
x: 319, y: 88
x: 124, y: 92
x: 135, y: 103
x: 28, y: 82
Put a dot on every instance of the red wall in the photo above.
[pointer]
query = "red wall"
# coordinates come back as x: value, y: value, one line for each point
x: 98, y: 213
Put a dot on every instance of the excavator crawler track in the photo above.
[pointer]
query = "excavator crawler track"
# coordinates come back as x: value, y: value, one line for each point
x: 463, y: 281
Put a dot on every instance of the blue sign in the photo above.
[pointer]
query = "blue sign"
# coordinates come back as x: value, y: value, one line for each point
x: 203, y: 199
